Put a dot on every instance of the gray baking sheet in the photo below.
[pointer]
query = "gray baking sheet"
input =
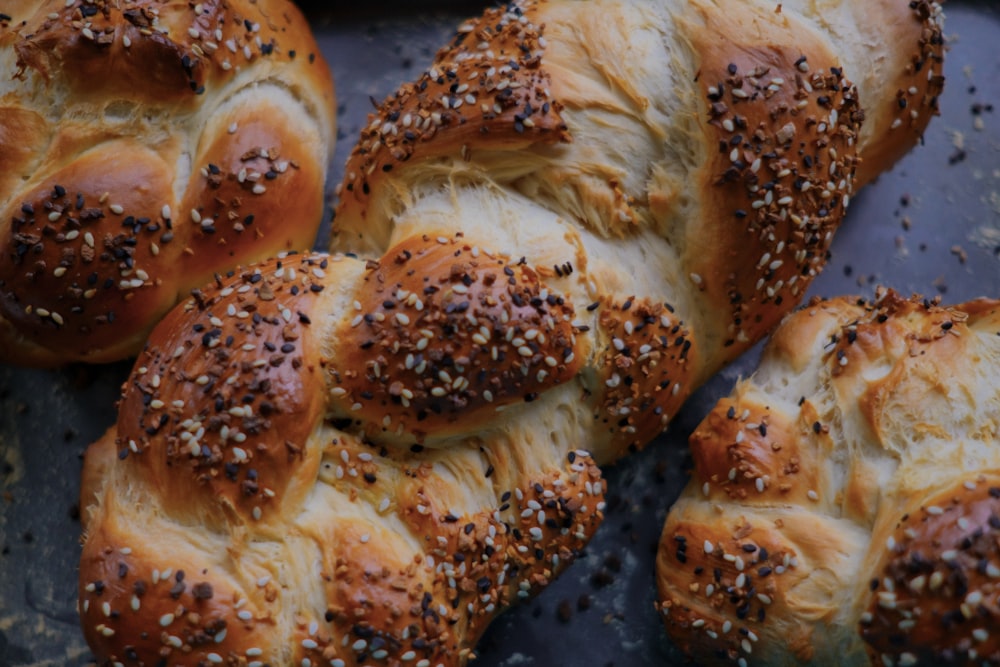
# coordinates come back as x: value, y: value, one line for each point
x: 931, y: 226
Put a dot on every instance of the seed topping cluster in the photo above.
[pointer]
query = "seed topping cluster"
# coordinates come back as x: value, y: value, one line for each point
x: 937, y: 596
x: 447, y: 328
x: 488, y: 87
x: 647, y: 368
x: 786, y: 156
x: 228, y: 395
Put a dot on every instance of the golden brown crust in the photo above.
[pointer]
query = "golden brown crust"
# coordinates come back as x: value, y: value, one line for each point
x: 647, y: 369
x: 486, y: 565
x: 914, y: 72
x: 875, y: 472
x: 132, y: 126
x: 737, y: 576
x: 784, y: 119
x: 189, y: 611
x: 935, y: 590
x: 751, y: 453
x: 226, y: 394
x: 79, y: 270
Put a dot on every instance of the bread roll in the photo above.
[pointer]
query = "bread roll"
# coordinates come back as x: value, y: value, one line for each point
x: 366, y: 457
x: 845, y: 499
x: 145, y: 146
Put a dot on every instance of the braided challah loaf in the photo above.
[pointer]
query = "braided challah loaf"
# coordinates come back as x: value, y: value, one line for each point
x: 845, y: 503
x: 145, y: 145
x: 327, y: 460
x: 696, y: 153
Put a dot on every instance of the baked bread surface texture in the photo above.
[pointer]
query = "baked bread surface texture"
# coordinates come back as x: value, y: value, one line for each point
x: 145, y: 145
x: 543, y: 246
x: 844, y: 503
